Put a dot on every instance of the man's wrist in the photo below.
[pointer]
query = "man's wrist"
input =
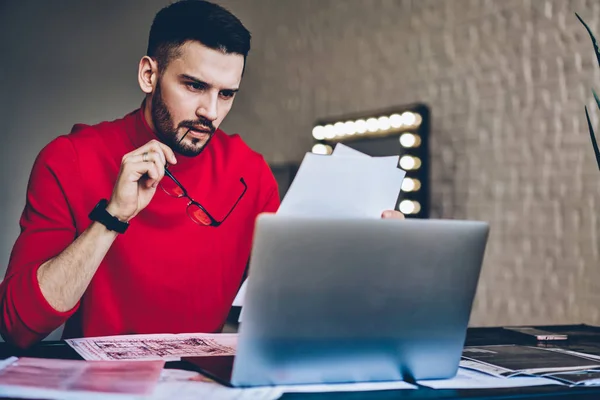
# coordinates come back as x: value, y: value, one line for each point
x: 113, y: 210
x: 101, y: 214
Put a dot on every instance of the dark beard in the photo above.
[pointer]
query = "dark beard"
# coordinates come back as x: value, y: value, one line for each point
x: 166, y: 130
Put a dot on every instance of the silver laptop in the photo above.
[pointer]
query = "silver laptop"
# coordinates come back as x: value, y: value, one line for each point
x: 332, y: 301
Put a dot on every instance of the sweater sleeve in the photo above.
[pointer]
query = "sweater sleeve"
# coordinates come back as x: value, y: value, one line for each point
x: 47, y: 228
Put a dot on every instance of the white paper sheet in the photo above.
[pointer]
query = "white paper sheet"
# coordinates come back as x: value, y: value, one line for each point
x: 181, y: 375
x: 239, y: 298
x: 168, y: 347
x: 208, y: 390
x: 339, y: 150
x: 18, y: 392
x: 343, y: 186
x: 346, y: 387
x: 343, y: 150
x: 173, y: 384
x: 468, y: 379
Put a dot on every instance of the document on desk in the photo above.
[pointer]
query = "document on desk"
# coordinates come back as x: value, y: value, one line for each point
x: 346, y: 387
x: 197, y: 390
x: 509, y: 361
x: 512, y: 360
x: 189, y: 385
x: 77, y: 379
x: 185, y: 385
x: 471, y: 379
x: 210, y: 390
x: 168, y: 347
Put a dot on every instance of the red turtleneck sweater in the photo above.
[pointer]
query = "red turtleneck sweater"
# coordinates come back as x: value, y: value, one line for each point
x: 166, y: 274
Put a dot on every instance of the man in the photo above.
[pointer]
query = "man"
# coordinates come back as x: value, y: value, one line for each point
x: 144, y: 224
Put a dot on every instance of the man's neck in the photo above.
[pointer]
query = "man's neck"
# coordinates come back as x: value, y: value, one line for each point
x: 148, y: 114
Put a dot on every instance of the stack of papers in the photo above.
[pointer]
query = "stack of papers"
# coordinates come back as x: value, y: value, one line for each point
x: 512, y: 362
x: 471, y: 379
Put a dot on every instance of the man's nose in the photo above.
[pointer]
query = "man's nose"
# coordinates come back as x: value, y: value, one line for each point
x: 209, y: 108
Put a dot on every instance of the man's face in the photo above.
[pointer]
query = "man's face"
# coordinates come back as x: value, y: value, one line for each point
x: 193, y: 95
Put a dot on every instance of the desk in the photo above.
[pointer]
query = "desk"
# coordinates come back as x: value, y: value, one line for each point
x: 582, y: 338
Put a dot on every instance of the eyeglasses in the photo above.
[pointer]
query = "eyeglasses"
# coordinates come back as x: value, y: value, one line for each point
x: 590, y: 127
x: 195, y: 210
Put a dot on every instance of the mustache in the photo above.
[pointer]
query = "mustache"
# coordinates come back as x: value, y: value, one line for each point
x: 202, y: 124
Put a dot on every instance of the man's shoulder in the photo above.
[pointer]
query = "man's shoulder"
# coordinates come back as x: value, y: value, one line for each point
x: 105, y: 131
x: 85, y: 140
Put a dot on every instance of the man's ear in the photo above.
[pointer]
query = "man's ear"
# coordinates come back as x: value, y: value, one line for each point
x: 147, y: 74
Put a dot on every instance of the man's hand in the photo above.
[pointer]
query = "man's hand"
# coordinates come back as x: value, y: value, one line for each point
x: 392, y: 214
x: 141, y: 171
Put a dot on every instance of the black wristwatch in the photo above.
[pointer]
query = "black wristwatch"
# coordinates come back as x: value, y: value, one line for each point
x: 112, y: 223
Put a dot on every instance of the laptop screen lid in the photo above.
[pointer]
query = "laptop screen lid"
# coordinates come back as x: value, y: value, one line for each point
x: 351, y: 300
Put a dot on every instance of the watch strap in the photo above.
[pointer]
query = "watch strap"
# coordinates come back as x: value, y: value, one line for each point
x: 99, y: 214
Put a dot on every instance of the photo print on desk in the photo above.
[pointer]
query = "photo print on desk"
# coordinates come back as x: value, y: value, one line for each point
x: 168, y: 347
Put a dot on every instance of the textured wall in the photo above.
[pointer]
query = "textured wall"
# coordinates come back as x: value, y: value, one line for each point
x: 506, y: 81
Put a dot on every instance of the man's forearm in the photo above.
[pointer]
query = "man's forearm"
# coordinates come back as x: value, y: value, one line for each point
x: 64, y: 278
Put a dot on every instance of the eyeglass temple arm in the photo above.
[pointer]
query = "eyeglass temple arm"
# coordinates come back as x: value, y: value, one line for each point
x: 236, y: 203
x: 170, y: 175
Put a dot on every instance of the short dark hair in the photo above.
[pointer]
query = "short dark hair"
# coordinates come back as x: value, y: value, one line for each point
x: 195, y: 20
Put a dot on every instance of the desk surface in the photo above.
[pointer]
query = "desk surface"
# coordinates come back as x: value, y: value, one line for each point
x: 582, y: 338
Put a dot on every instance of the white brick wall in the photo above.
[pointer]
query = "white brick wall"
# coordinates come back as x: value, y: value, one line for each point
x: 506, y: 81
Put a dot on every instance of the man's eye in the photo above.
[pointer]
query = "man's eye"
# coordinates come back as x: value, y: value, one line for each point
x: 227, y: 95
x: 195, y: 86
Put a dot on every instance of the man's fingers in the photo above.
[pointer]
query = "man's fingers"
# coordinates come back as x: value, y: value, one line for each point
x: 153, y: 175
x: 149, y: 164
x: 169, y: 154
x: 392, y: 214
x: 158, y: 160
x: 147, y: 157
x: 154, y: 146
x: 155, y: 168
x: 141, y: 171
x: 164, y: 150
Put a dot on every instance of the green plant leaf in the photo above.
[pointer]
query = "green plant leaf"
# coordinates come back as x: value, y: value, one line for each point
x: 594, y: 41
x: 597, y: 99
x: 593, y: 135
